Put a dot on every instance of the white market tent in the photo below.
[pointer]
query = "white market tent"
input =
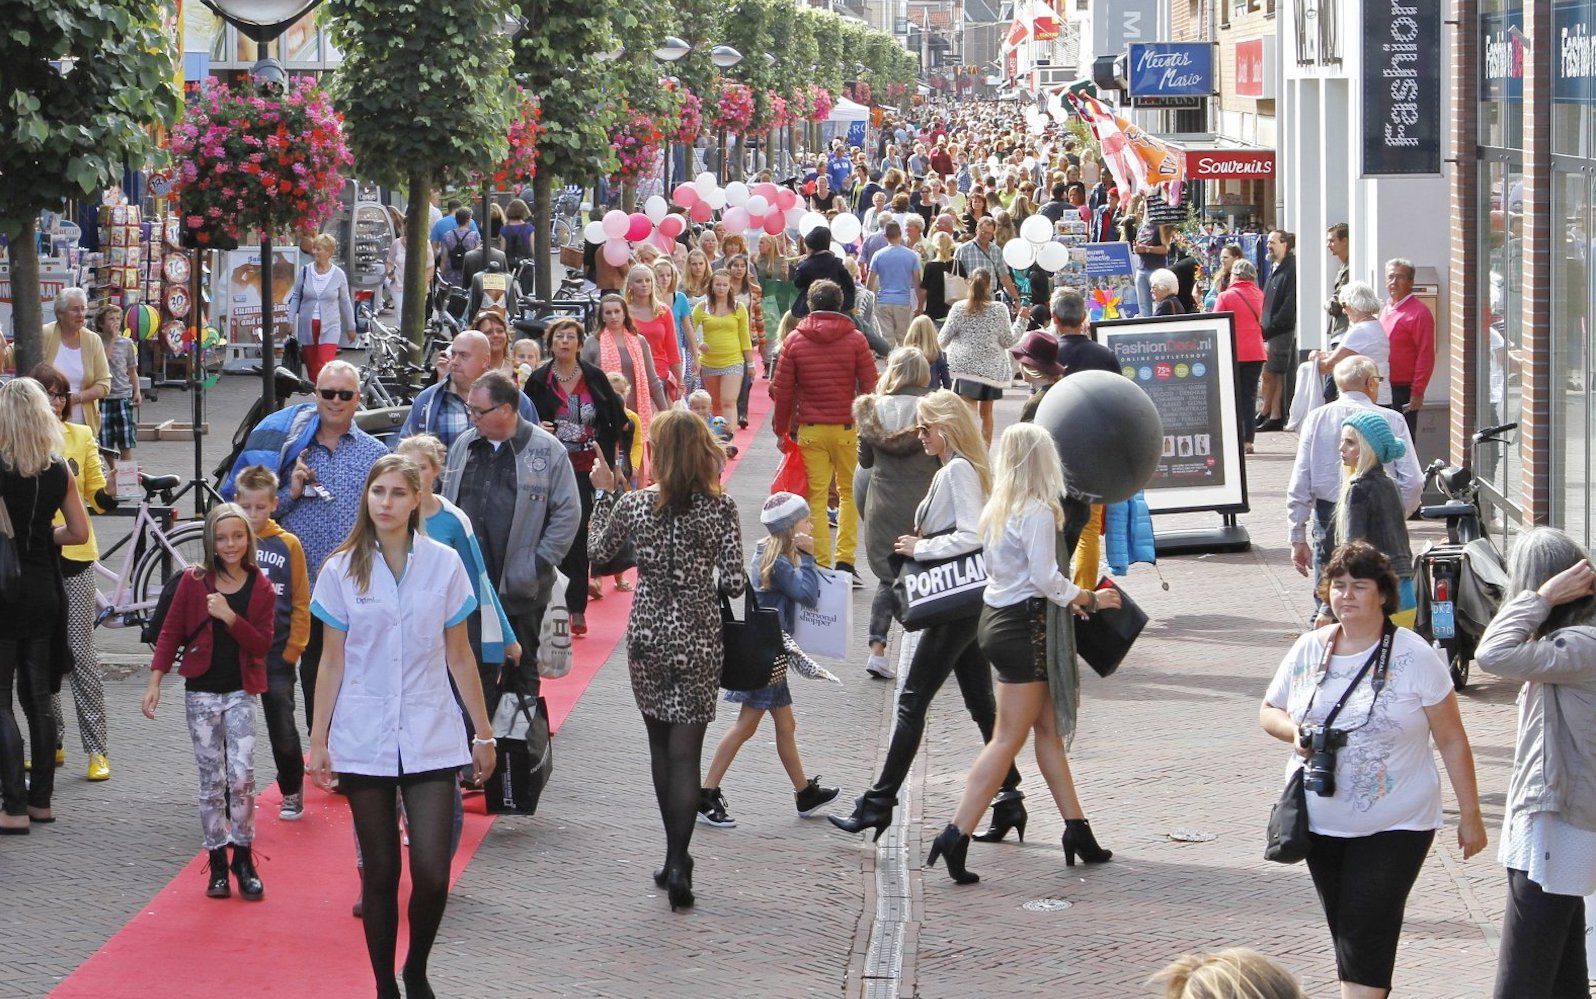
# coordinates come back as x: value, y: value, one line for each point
x: 846, y: 110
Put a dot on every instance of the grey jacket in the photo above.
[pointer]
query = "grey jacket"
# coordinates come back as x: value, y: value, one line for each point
x: 337, y: 311
x: 1554, y: 760
x: 548, y: 510
x: 899, y: 469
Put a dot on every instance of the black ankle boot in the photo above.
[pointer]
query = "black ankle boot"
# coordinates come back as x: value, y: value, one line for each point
x: 249, y: 886
x: 679, y: 886
x: 952, y: 846
x: 416, y: 984
x: 218, y: 886
x: 1078, y: 840
x: 1008, y: 812
x: 868, y: 813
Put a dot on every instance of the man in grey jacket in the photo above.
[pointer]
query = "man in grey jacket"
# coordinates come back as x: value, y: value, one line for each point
x: 514, y: 480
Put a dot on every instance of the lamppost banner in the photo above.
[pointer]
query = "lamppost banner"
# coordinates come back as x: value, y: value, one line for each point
x: 1401, y: 87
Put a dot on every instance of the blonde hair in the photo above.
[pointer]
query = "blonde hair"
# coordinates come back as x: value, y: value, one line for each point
x: 697, y: 287
x: 1235, y: 973
x: 256, y: 479
x: 785, y: 543
x: 30, y: 434
x: 906, y: 368
x: 943, y: 242
x: 362, y: 540
x: 952, y: 417
x: 1367, y: 461
x: 687, y: 461
x: 644, y: 270
x: 1027, y: 471
x: 323, y: 239
x: 676, y: 277
x: 922, y: 335
x: 426, y: 446
x: 219, y: 513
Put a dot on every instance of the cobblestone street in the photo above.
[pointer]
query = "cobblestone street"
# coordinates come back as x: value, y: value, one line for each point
x: 562, y: 903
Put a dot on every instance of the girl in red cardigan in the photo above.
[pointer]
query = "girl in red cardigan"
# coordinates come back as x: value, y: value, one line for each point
x: 221, y: 620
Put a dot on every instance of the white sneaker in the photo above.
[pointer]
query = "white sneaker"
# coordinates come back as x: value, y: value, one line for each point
x: 878, y: 666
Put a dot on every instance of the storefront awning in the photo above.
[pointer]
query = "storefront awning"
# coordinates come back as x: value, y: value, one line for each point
x: 1217, y: 158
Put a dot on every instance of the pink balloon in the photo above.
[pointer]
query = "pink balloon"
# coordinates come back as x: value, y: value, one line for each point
x: 672, y: 226
x: 775, y: 223
x: 786, y: 199
x: 617, y: 253
x: 686, y: 195
x: 701, y: 212
x: 615, y: 223
x: 665, y: 243
x: 736, y: 219
x: 638, y: 227
x: 767, y: 189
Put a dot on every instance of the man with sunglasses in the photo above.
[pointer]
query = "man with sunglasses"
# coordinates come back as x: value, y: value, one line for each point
x: 440, y: 409
x: 323, y: 474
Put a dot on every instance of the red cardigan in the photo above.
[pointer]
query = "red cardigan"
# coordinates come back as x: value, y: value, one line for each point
x: 188, y: 615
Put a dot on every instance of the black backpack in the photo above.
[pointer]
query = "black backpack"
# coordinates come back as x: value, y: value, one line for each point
x: 458, y: 249
x: 150, y: 631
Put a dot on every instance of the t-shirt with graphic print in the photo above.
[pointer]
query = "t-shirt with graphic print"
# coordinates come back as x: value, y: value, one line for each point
x: 1385, y: 774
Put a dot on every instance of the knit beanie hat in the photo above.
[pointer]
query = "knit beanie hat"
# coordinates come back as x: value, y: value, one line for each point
x: 1372, y: 425
x: 783, y: 512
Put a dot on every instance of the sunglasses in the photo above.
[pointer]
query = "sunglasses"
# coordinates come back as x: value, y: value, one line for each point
x: 60, y: 395
x: 344, y: 395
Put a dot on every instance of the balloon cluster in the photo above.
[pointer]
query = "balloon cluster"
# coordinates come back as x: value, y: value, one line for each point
x: 617, y: 230
x: 766, y: 207
x: 1035, y: 245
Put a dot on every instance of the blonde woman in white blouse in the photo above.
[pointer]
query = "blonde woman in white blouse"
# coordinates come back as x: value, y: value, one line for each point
x: 1019, y: 528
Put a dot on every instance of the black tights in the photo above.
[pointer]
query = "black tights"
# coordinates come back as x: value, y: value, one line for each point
x: 675, y: 751
x: 429, y: 813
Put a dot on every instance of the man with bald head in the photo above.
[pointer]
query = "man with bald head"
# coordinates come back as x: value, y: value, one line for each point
x: 440, y: 410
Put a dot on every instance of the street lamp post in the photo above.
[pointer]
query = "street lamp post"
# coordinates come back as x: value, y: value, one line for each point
x: 670, y: 50
x: 724, y: 57
x: 263, y: 21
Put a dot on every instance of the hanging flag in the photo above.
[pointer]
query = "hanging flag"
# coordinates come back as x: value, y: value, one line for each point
x: 1018, y: 33
x: 1044, y: 21
x: 1138, y: 161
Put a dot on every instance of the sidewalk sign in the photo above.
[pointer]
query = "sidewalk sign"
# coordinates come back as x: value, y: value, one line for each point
x: 1110, y: 281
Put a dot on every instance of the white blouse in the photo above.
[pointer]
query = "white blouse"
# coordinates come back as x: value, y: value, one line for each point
x: 395, y: 711
x: 948, y: 516
x: 1024, y: 562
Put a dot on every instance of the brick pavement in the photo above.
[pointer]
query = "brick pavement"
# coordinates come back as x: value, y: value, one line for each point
x: 562, y: 903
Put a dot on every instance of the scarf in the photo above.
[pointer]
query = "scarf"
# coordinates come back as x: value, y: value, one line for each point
x: 610, y: 360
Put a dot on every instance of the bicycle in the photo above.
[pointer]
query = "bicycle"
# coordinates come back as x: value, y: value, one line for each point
x: 158, y: 548
x: 566, y: 224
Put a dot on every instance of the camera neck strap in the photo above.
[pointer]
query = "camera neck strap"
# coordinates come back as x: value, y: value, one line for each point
x: 1379, y: 661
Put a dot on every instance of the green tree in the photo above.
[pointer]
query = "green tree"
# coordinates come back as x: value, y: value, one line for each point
x: 69, y: 134
x: 426, y: 97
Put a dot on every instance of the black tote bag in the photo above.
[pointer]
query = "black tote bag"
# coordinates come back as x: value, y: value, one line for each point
x: 526, y: 757
x: 1104, y: 638
x: 750, y: 647
x: 938, y: 591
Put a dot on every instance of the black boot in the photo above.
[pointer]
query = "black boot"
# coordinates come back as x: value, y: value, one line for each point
x: 868, y: 813
x: 249, y: 886
x: 1079, y: 841
x: 1008, y: 812
x: 218, y: 886
x: 679, y: 886
x: 952, y: 846
x: 416, y: 984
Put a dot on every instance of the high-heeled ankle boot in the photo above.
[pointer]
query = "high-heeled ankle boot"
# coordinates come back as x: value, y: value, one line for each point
x: 1008, y: 812
x: 952, y: 846
x: 679, y: 886
x: 249, y: 886
x: 217, y: 885
x: 416, y: 984
x: 1079, y: 841
x: 868, y: 813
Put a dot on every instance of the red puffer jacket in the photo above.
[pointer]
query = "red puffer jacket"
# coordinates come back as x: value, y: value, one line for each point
x: 825, y: 364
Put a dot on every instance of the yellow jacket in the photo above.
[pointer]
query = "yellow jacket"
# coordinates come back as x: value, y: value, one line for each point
x: 82, y: 454
x: 96, y: 369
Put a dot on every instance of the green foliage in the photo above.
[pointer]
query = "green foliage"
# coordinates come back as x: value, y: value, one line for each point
x: 555, y: 59
x: 424, y: 87
x: 68, y: 136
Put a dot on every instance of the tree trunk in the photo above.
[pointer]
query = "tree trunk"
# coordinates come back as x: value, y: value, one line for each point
x: 412, y: 321
x: 629, y: 195
x: 543, y: 235
x: 27, y: 318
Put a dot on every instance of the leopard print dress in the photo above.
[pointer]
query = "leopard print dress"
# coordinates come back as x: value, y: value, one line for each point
x: 673, y: 639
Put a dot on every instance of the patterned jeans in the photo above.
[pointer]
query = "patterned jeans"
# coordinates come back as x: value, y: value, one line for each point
x: 88, y: 684
x: 223, y: 727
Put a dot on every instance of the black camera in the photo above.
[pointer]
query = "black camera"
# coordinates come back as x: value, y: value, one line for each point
x: 1322, y: 744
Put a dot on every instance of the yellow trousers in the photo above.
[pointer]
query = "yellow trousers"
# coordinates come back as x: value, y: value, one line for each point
x: 1089, y: 552
x: 831, y: 450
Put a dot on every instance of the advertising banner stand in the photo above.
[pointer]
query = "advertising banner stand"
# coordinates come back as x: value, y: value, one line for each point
x: 1186, y: 365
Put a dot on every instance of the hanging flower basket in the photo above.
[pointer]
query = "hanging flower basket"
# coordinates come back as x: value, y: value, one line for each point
x: 734, y: 112
x: 250, y: 161
x: 820, y: 103
x: 861, y: 93
x: 521, y: 163
x: 801, y: 104
x: 635, y: 144
x: 780, y: 113
x: 689, y: 119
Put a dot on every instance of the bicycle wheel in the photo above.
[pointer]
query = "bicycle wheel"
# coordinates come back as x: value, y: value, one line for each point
x: 158, y: 564
x: 563, y: 233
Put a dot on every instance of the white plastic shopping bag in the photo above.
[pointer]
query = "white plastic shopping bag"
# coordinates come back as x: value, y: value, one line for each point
x: 827, y: 628
x: 1309, y: 395
x: 554, y: 642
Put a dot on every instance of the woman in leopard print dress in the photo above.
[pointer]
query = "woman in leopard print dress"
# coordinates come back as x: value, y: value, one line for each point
x: 683, y: 528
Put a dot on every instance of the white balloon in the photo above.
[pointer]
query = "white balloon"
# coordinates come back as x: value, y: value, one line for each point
x: 716, y: 199
x: 795, y: 215
x: 705, y: 182
x: 655, y: 208
x: 1037, y: 229
x: 737, y: 194
x: 810, y: 222
x: 615, y: 223
x: 1018, y: 254
x: 846, y: 228
x: 594, y: 233
x: 756, y: 204
x: 1052, y: 256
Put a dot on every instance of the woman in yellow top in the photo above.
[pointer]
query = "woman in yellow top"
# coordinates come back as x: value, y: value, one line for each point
x: 82, y: 453
x: 724, y: 346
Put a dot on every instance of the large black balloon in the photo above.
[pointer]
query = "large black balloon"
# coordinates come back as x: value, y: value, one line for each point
x: 1108, y: 434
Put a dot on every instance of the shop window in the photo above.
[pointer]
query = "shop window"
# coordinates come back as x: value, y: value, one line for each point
x: 1573, y: 296
x: 1500, y: 337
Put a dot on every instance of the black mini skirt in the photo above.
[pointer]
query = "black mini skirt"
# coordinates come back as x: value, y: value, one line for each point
x: 1014, y: 640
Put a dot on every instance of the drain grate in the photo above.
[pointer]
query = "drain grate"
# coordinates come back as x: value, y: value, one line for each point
x: 1047, y: 905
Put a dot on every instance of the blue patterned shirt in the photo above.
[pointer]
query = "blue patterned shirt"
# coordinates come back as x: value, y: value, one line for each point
x: 322, y: 524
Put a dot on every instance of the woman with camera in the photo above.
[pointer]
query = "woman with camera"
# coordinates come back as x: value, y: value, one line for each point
x: 1543, y: 637
x: 1361, y: 701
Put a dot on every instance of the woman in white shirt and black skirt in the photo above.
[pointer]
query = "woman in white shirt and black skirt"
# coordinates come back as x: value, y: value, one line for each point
x: 1020, y: 527
x: 395, y: 605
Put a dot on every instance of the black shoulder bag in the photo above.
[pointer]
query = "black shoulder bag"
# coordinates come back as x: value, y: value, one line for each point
x: 1288, y: 820
x: 750, y: 647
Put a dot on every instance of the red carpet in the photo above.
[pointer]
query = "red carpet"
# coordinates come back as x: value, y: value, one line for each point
x: 301, y: 939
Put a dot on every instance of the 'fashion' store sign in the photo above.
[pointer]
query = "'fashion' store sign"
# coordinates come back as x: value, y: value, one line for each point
x: 1401, y: 87
x: 1502, y: 51
x: 1574, y: 54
